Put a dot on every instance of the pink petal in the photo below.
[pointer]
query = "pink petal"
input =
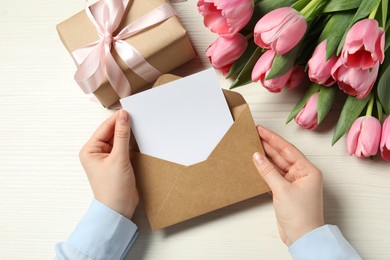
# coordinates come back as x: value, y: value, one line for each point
x: 370, y: 135
x: 319, y: 67
x: 385, y: 140
x: 216, y: 23
x: 273, y: 19
x: 276, y: 84
x: 298, y: 76
x: 364, y: 45
x: 263, y: 65
x: 290, y: 36
x: 353, y: 136
x: 308, y: 116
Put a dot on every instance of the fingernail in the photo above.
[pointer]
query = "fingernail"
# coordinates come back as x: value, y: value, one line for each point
x: 123, y: 116
x: 258, y: 157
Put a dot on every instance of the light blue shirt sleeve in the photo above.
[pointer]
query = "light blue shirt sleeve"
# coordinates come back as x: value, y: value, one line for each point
x: 101, y: 234
x: 323, y: 243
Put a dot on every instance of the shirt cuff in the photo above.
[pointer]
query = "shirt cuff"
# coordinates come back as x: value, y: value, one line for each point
x: 325, y: 242
x: 103, y: 233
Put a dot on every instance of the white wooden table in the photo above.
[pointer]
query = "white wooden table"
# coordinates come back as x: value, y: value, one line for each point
x: 45, y: 119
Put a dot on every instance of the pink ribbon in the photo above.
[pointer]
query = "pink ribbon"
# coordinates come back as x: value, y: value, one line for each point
x: 95, y: 61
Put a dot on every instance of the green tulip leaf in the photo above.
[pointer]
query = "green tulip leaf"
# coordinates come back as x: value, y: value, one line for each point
x: 313, y: 10
x: 240, y: 63
x: 337, y: 5
x: 351, y: 110
x: 379, y: 110
x: 334, y: 31
x: 385, y: 64
x: 313, y: 89
x: 283, y: 63
x: 325, y: 102
x: 385, y: 8
x: 245, y: 76
x: 381, y: 14
x: 387, y: 42
x: 311, y: 37
x: 262, y: 7
x: 299, y: 5
x: 363, y: 11
x: 384, y: 87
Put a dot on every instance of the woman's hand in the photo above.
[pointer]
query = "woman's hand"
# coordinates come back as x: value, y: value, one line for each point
x: 105, y: 158
x: 296, y: 185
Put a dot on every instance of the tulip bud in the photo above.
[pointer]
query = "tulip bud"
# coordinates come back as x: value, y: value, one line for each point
x: 319, y: 67
x: 355, y: 82
x: 385, y: 140
x: 226, y: 50
x: 364, y: 45
x: 363, y: 137
x: 280, y: 30
x: 262, y: 69
x: 225, y: 17
x: 308, y: 116
x: 297, y: 77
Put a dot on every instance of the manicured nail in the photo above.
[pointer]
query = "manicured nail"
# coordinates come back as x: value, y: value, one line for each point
x: 123, y: 116
x: 257, y: 157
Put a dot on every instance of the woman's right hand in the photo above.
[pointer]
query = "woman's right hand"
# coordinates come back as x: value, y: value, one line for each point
x: 296, y: 186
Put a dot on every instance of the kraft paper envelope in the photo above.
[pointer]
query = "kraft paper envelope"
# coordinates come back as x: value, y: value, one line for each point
x: 172, y: 193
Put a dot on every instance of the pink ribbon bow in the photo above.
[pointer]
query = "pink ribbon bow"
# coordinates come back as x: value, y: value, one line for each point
x: 95, y: 61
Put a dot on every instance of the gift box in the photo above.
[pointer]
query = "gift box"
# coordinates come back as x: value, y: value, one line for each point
x: 172, y: 193
x: 164, y: 45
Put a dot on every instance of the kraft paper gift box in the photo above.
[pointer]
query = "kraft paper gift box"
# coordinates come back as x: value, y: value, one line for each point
x: 165, y: 45
x: 173, y: 193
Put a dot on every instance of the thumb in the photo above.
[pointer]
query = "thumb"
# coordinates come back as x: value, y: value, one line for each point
x: 122, y: 134
x: 268, y: 172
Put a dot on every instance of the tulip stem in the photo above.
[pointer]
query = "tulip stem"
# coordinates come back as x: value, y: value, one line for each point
x: 308, y: 9
x: 249, y: 36
x: 373, y: 12
x: 370, y: 106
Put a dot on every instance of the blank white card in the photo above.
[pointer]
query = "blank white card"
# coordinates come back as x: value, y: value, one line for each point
x: 181, y: 121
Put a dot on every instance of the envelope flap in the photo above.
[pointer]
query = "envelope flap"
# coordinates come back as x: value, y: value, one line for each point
x: 200, y: 190
x: 241, y: 136
x: 235, y: 101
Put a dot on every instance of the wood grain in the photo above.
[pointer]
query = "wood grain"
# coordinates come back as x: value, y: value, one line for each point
x: 45, y: 119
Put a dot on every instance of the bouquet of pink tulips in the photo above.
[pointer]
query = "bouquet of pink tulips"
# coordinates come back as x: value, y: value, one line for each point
x: 330, y: 47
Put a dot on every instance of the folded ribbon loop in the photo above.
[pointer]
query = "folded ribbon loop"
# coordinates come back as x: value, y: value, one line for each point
x: 95, y: 60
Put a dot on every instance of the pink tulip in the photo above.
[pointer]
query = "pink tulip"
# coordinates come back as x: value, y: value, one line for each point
x: 225, y: 69
x: 280, y: 30
x: 353, y: 81
x: 262, y: 69
x: 297, y: 77
x: 225, y: 17
x: 308, y: 116
x: 226, y: 50
x: 363, y: 137
x: 319, y: 67
x: 364, y: 45
x: 385, y: 140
